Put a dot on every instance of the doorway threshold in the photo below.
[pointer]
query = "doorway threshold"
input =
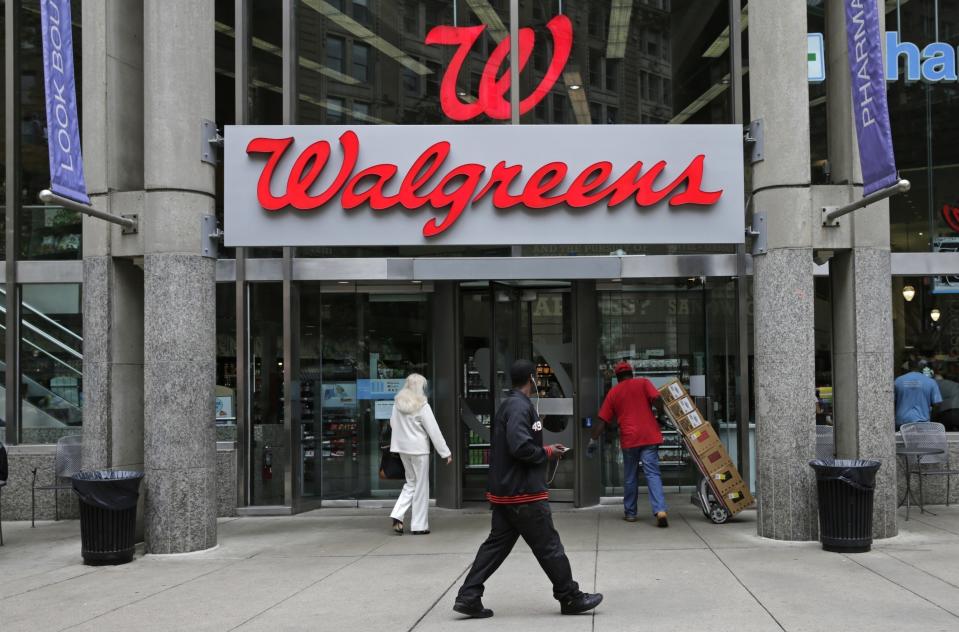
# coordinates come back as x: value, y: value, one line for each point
x: 264, y: 510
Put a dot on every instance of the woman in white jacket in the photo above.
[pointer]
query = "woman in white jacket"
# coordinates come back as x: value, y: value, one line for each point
x: 414, y: 427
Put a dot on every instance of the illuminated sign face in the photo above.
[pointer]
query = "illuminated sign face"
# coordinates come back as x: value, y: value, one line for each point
x: 934, y: 63
x: 483, y: 185
x: 492, y: 94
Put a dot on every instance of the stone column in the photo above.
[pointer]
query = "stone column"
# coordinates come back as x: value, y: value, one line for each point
x: 783, y: 294
x: 179, y: 314
x: 112, y: 287
x: 863, y: 370
x: 861, y: 280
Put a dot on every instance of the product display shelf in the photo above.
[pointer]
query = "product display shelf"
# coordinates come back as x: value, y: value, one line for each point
x: 307, y: 433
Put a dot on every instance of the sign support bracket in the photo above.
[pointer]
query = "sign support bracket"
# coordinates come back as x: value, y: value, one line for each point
x: 128, y: 223
x: 831, y: 214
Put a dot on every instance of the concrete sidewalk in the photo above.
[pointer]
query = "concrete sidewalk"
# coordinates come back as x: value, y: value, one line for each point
x: 340, y: 570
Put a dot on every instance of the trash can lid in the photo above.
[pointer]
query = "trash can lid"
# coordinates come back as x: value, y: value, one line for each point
x: 108, y: 489
x: 860, y: 473
x: 107, y: 475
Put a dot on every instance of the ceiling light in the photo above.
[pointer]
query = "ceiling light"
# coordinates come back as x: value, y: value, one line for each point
x: 908, y: 292
x: 574, y: 82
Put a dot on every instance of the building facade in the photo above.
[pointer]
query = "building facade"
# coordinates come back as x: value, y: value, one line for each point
x: 257, y: 380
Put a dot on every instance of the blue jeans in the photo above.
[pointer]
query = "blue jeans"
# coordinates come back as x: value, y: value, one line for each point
x: 648, y: 456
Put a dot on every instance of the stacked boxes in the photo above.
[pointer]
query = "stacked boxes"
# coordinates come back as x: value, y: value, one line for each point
x: 707, y: 450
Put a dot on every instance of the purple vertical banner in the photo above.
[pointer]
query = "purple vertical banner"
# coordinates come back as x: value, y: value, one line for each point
x: 63, y: 125
x: 869, y: 106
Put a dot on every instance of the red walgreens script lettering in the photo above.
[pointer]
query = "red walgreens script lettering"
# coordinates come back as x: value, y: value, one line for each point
x: 462, y: 185
x: 492, y: 89
x: 951, y: 215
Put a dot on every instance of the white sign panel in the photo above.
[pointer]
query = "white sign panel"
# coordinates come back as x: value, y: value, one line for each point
x: 815, y: 58
x: 408, y: 185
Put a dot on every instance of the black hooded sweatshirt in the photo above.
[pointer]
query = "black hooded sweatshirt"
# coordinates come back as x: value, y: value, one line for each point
x: 517, y: 470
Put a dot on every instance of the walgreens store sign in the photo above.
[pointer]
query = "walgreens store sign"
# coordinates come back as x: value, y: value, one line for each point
x: 483, y: 185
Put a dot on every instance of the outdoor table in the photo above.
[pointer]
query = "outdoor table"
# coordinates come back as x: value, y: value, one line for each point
x: 915, y: 453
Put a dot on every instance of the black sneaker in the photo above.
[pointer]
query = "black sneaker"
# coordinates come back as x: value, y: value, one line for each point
x: 583, y: 602
x: 472, y: 609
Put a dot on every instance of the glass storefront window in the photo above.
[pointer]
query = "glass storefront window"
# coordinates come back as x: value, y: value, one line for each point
x: 626, y: 66
x: 270, y: 445
x: 925, y: 317
x: 356, y: 349
x: 51, y: 361
x: 924, y: 130
x: 46, y: 232
x: 226, y: 383
x: 3, y: 349
x: 374, y: 53
x: 225, y: 91
x: 683, y: 328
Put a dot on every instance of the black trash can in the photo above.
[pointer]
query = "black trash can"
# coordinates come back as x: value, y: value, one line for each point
x: 108, y: 515
x: 846, y: 489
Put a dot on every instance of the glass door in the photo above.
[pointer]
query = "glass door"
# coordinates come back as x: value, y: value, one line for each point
x: 269, y: 458
x: 502, y: 322
x: 357, y: 345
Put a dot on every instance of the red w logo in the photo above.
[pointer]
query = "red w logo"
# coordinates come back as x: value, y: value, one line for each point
x: 492, y: 89
x: 951, y: 215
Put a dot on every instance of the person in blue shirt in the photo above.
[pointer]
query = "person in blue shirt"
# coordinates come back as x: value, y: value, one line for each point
x: 916, y: 394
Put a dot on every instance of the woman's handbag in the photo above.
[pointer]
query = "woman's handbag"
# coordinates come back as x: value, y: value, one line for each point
x: 391, y: 465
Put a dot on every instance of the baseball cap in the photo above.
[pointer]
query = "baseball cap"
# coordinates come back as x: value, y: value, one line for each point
x: 623, y: 367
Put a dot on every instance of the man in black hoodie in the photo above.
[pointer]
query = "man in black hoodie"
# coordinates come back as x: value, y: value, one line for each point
x: 520, y: 502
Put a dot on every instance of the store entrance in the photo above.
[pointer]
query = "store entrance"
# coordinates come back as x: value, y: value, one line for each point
x: 502, y: 322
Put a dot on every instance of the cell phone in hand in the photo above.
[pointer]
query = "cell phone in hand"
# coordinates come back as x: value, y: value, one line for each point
x: 562, y: 449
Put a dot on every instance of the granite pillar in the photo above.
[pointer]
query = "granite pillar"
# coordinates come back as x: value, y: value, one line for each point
x: 863, y: 371
x: 112, y: 286
x: 860, y: 277
x: 785, y: 374
x: 783, y: 276
x: 179, y: 306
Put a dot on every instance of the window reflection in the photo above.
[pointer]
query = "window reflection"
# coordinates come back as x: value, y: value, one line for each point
x: 924, y: 129
x: 51, y: 361
x: 628, y: 67
x: 367, y: 62
x: 46, y: 232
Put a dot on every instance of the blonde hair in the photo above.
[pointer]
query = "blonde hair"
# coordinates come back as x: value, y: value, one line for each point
x: 412, y: 396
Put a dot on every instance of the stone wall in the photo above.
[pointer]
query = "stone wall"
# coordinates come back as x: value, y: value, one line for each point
x: 16, y: 495
x: 225, y: 482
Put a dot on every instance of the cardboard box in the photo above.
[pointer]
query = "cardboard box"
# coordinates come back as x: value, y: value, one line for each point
x: 672, y: 391
x: 691, y: 422
x: 680, y: 408
x: 703, y: 439
x: 737, y: 498
x: 714, y: 459
x: 725, y: 477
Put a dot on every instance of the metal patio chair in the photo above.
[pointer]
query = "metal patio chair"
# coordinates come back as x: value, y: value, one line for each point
x: 825, y: 443
x: 66, y: 463
x: 929, y: 435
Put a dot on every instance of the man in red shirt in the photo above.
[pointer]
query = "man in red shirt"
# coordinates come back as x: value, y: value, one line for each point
x: 630, y: 404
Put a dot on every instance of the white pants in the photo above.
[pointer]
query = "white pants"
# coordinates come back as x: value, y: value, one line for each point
x: 416, y: 491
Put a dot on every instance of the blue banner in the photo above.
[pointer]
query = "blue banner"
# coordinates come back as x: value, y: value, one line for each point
x: 63, y: 126
x: 864, y: 42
